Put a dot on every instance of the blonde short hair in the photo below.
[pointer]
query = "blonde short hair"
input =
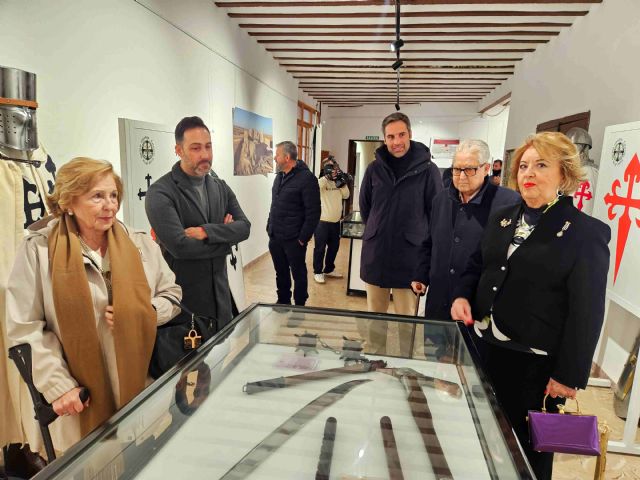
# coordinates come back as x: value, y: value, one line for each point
x: 552, y: 146
x: 76, y: 178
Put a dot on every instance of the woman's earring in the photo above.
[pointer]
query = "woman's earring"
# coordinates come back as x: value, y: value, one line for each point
x: 70, y: 213
x: 559, y: 192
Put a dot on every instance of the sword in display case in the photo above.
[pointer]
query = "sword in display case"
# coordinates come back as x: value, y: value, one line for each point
x: 272, y: 442
x: 293, y: 380
x: 391, y: 450
x: 326, y: 450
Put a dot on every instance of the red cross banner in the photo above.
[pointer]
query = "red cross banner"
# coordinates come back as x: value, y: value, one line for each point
x: 617, y: 203
x: 584, y: 196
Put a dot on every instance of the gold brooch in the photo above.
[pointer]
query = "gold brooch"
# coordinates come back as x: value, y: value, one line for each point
x: 505, y: 222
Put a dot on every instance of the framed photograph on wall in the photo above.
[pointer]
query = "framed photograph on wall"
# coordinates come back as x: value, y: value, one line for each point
x: 252, y: 143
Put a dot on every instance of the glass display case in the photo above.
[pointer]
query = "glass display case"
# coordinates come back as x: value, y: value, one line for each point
x: 352, y: 226
x: 291, y: 393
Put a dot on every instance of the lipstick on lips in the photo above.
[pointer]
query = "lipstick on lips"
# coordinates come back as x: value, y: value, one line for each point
x: 529, y: 184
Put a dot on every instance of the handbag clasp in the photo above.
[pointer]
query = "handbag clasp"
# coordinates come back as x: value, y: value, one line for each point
x: 561, y: 406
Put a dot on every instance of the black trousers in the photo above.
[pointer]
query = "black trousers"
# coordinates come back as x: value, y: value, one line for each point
x: 327, y: 239
x: 519, y: 380
x: 288, y: 258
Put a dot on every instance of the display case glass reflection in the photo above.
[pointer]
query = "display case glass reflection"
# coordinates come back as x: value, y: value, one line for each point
x: 352, y: 226
x: 291, y: 393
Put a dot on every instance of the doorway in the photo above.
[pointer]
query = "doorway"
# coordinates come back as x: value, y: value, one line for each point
x: 361, y: 154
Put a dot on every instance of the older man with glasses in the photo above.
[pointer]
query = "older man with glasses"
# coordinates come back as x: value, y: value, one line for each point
x: 459, y: 215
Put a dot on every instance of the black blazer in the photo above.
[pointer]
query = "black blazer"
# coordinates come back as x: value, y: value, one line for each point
x: 550, y: 293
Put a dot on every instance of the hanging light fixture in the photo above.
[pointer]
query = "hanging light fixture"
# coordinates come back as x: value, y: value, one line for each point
x: 396, y: 45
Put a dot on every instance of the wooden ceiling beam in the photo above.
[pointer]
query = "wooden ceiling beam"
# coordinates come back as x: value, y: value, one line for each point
x: 369, y: 3
x: 404, y: 67
x: 406, y: 59
x: 344, y: 26
x: 383, y: 93
x: 375, y: 33
x: 404, y: 50
x: 393, y: 100
x: 502, y: 100
x: 390, y: 86
x: 425, y: 14
x: 412, y: 42
x: 355, y: 105
x: 415, y: 75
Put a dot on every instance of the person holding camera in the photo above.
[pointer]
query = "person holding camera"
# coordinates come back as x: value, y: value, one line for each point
x: 334, y: 189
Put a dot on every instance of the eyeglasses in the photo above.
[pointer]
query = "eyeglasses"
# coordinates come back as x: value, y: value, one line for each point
x: 468, y: 171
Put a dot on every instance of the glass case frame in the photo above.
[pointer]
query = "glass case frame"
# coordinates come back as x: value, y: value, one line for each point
x: 114, y: 452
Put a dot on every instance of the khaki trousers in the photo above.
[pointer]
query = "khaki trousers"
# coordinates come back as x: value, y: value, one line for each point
x: 375, y: 331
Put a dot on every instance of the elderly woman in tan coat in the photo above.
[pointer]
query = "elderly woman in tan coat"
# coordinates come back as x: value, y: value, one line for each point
x: 87, y: 293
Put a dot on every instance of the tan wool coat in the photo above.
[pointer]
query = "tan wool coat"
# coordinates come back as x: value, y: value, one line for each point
x: 31, y: 318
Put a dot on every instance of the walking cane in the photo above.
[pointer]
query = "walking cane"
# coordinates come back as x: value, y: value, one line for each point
x: 44, y: 414
x: 413, y: 327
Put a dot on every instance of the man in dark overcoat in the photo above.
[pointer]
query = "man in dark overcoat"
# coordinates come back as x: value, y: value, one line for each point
x: 396, y: 194
x: 459, y: 215
x: 197, y: 218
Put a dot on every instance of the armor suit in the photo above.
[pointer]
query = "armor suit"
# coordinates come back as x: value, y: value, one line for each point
x: 27, y: 174
x: 584, y: 196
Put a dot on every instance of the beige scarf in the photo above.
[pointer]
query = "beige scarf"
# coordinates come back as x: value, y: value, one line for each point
x: 134, y: 319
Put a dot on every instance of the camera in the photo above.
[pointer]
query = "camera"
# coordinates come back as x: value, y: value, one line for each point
x: 341, y: 178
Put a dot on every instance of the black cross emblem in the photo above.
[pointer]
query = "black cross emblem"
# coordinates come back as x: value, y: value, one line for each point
x: 146, y: 150
x: 51, y: 168
x: 32, y: 211
x: 618, y: 151
x: 140, y: 192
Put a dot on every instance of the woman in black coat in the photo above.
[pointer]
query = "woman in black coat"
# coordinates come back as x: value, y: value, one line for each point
x: 536, y: 287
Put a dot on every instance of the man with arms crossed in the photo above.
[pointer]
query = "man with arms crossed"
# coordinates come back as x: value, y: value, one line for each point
x: 196, y: 218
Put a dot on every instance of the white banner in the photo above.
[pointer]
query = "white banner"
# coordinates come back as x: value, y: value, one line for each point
x: 618, y: 205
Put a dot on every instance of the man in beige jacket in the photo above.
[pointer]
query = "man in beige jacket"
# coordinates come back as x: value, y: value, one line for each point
x: 327, y: 234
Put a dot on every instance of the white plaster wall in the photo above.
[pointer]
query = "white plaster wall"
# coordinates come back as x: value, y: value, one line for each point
x: 155, y: 61
x: 590, y: 67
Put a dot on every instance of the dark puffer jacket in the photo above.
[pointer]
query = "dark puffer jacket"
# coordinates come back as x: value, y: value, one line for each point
x: 295, y: 205
x: 396, y: 213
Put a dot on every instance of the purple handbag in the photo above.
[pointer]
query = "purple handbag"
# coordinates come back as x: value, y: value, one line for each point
x: 564, y: 433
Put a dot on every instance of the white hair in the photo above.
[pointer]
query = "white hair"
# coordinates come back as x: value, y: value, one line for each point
x: 480, y: 148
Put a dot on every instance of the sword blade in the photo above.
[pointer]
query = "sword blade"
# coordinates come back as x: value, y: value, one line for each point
x: 293, y: 380
x: 424, y: 421
x: 326, y: 450
x: 287, y: 429
x: 391, y: 450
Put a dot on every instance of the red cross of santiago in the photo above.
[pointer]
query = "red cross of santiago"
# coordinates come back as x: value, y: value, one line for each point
x: 631, y: 176
x: 583, y: 193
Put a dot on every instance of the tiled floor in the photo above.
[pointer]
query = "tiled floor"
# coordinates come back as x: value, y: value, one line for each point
x: 260, y: 287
